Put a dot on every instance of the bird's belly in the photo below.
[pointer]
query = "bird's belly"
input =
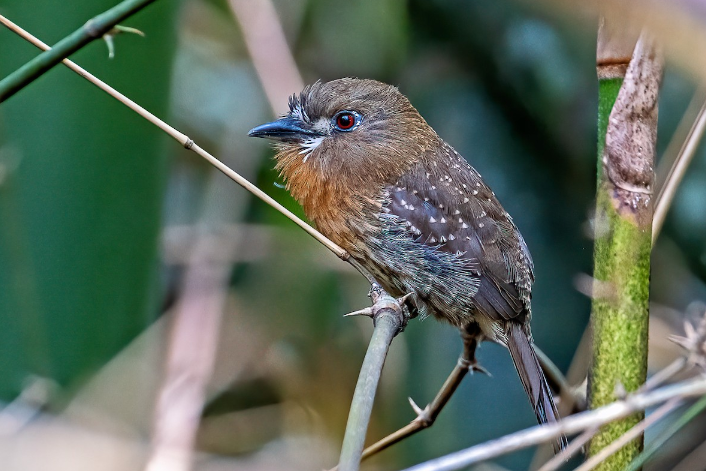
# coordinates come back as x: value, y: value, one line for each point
x: 441, y: 287
x: 448, y: 302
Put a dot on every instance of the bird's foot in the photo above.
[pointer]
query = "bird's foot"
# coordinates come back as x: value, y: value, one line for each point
x: 384, y: 304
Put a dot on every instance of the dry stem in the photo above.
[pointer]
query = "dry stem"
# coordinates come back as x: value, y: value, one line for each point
x: 570, y: 425
x: 677, y: 172
x: 389, y: 319
x: 630, y: 435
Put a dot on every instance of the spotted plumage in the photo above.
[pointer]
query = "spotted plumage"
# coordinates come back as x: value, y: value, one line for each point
x: 376, y: 179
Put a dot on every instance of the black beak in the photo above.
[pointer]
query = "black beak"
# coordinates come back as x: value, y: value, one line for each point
x: 286, y: 129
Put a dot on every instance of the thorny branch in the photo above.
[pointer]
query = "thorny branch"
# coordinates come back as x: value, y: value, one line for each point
x: 188, y: 144
x: 570, y: 425
x: 426, y: 417
x: 390, y: 319
x: 390, y: 325
x: 589, y: 422
x: 94, y: 28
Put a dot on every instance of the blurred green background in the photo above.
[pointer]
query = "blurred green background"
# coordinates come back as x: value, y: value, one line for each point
x: 99, y: 212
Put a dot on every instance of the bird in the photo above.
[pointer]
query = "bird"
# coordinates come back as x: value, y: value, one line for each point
x: 375, y: 178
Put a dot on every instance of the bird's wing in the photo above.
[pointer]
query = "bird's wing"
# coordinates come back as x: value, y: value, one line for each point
x: 463, y: 217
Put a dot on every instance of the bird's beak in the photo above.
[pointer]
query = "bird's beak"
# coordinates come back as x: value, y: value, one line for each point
x: 286, y: 129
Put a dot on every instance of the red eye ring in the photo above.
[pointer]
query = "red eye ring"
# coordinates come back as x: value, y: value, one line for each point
x: 345, y: 121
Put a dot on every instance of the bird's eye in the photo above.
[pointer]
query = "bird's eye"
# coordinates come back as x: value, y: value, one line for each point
x: 346, y: 120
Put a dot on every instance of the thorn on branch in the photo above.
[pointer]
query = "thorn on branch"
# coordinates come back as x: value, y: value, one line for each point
x: 117, y: 29
x: 417, y: 410
x: 383, y: 304
x: 424, y: 418
x: 476, y: 367
x: 694, y: 342
x: 368, y: 312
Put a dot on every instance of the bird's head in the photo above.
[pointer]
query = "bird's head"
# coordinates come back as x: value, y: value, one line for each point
x: 349, y: 128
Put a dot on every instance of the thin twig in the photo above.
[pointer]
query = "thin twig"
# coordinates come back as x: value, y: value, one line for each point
x: 427, y: 416
x: 94, y: 28
x: 656, y: 444
x: 663, y: 375
x: 678, y: 138
x: 185, y: 141
x: 574, y: 447
x: 677, y: 172
x: 389, y: 321
x: 570, y: 425
x: 630, y: 435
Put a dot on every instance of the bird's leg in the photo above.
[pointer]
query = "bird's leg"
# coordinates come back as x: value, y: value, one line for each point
x: 426, y: 417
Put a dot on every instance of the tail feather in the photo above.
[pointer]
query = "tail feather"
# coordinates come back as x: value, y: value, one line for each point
x: 532, y: 377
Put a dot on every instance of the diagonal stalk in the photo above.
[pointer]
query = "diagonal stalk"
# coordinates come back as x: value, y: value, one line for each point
x: 677, y: 172
x: 189, y: 144
x: 94, y: 29
x: 389, y: 321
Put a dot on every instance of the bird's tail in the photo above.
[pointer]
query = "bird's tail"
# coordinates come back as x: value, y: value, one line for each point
x: 532, y: 377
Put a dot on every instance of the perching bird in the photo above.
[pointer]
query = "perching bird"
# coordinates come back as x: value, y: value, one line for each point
x: 377, y: 180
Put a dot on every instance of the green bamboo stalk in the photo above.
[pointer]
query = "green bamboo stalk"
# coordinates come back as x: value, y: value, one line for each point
x: 626, y: 138
x: 94, y: 28
x: 389, y: 321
